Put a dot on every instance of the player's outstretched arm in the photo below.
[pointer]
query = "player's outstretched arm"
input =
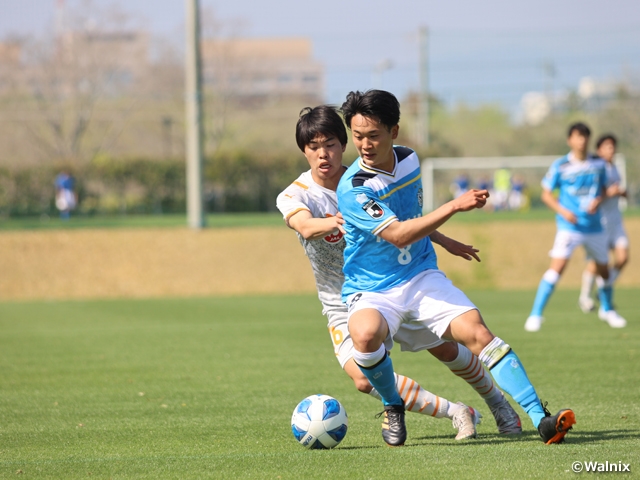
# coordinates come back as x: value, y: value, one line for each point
x: 552, y: 202
x: 455, y: 247
x: 311, y: 228
x: 402, y: 234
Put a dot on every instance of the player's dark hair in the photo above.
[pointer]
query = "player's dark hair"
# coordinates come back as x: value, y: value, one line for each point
x: 377, y: 104
x: 321, y: 120
x: 579, y: 127
x: 607, y: 137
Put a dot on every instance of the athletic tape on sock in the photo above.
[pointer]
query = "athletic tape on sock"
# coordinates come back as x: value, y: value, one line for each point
x: 493, y: 352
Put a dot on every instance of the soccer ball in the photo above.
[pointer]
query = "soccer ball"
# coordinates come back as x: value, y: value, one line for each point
x: 319, y: 421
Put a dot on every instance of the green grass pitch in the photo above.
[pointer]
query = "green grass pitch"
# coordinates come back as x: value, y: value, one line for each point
x: 205, y: 388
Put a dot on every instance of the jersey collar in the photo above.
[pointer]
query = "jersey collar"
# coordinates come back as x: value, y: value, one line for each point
x: 378, y: 171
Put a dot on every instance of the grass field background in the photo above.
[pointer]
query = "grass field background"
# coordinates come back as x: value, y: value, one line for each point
x: 205, y: 388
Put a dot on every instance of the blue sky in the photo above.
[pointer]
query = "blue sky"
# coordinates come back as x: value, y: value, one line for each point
x: 490, y: 51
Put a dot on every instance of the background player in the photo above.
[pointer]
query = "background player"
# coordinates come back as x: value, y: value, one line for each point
x: 391, y: 274
x: 309, y: 206
x: 611, y: 218
x: 581, y: 182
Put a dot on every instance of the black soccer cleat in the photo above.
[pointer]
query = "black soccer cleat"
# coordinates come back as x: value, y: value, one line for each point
x: 552, y: 429
x: 394, y: 432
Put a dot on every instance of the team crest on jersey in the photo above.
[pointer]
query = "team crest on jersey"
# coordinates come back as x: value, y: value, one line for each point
x: 373, y: 209
x: 420, y: 197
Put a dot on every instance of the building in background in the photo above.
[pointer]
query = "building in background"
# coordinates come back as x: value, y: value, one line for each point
x: 114, y: 60
x: 263, y: 67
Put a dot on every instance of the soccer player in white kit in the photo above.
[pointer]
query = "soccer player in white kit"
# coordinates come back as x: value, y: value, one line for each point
x: 611, y: 217
x: 309, y: 206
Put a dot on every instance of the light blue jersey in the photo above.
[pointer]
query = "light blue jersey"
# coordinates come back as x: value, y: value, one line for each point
x: 579, y: 182
x: 370, y: 200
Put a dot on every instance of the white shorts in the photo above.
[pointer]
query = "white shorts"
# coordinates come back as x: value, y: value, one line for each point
x: 427, y: 300
x: 412, y: 336
x: 595, y: 245
x: 616, y: 236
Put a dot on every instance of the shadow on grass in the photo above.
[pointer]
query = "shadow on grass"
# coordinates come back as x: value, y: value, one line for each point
x: 579, y: 437
x: 496, y: 438
x: 483, y: 439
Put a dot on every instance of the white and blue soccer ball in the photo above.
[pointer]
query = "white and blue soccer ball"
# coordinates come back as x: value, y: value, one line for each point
x: 319, y: 422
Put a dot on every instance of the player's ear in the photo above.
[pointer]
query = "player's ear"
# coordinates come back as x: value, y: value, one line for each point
x: 344, y: 148
x: 394, y: 132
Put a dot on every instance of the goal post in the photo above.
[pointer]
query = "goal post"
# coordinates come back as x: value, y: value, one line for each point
x: 490, y: 164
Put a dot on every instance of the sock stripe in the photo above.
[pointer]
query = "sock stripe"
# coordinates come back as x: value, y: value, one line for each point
x: 401, y: 387
x: 464, y: 368
x: 415, y: 395
x: 405, y: 393
x: 437, y: 407
x: 473, y: 372
x: 485, y: 393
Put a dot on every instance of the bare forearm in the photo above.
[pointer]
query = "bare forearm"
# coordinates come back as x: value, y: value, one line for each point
x: 410, y: 231
x: 550, y: 201
x: 312, y: 228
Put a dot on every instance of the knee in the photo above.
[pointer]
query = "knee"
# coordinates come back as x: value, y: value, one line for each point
x: 367, y: 336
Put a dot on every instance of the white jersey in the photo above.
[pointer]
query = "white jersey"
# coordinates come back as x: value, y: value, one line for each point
x: 325, y: 254
x: 609, y: 209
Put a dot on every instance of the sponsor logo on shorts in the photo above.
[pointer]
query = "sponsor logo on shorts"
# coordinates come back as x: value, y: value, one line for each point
x: 353, y: 301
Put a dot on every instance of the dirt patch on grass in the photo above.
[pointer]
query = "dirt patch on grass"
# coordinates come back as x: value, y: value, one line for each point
x: 77, y: 264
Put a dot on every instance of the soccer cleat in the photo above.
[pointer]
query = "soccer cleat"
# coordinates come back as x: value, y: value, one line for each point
x: 552, y: 429
x: 533, y: 323
x: 612, y: 318
x: 394, y: 432
x: 507, y: 419
x: 586, y: 304
x: 465, y: 420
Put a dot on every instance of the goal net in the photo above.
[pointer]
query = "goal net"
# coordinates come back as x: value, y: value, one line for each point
x: 514, y: 181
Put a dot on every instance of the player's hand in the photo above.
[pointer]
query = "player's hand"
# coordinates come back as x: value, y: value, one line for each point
x: 339, y: 222
x: 593, y: 205
x: 569, y: 216
x: 458, y: 249
x: 471, y: 199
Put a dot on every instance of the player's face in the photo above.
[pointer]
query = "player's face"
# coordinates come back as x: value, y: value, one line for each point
x: 374, y: 142
x: 578, y: 142
x: 324, y: 155
x: 607, y: 150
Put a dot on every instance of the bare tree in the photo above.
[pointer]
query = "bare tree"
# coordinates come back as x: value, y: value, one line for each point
x: 91, y: 59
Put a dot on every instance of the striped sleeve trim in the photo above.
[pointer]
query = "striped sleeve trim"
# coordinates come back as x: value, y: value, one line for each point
x: 291, y: 214
x: 384, y: 225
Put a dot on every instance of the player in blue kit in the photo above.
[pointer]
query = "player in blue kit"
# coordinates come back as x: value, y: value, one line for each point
x: 581, y: 181
x: 391, y: 272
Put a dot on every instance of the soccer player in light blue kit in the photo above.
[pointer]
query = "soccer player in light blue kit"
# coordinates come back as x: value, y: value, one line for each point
x: 391, y: 272
x: 581, y: 180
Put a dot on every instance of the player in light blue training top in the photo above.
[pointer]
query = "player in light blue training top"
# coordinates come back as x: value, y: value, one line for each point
x: 375, y: 200
x: 391, y: 274
x: 581, y: 182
